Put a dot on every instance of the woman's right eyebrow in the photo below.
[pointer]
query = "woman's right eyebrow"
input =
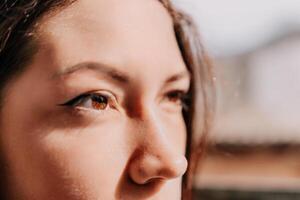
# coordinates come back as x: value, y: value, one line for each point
x: 109, y: 71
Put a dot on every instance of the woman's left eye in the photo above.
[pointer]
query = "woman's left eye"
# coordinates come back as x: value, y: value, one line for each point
x: 95, y: 101
x: 177, y: 97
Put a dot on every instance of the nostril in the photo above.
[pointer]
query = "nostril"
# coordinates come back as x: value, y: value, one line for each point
x: 156, y: 180
x: 138, y: 175
x: 151, y: 181
x: 144, y: 168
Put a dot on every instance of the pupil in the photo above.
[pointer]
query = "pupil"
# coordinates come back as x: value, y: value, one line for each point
x: 174, y: 96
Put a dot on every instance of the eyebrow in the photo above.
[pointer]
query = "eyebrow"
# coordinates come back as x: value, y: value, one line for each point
x: 109, y: 71
x: 182, y: 75
x: 115, y: 74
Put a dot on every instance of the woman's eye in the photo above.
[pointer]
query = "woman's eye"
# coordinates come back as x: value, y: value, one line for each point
x: 91, y: 101
x: 177, y: 97
x: 98, y: 102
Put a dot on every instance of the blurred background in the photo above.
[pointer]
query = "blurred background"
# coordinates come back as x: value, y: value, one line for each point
x: 254, y: 150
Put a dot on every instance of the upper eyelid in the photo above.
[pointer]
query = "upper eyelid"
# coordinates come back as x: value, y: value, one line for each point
x: 107, y: 94
x: 179, y: 90
x: 182, y: 84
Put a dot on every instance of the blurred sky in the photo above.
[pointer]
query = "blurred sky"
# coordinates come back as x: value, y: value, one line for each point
x: 233, y: 26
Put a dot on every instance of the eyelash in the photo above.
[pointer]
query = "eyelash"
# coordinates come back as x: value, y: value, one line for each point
x: 99, y: 101
x: 182, y: 96
x: 179, y: 97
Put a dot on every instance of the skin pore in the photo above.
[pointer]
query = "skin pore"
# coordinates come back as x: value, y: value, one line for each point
x: 98, y: 112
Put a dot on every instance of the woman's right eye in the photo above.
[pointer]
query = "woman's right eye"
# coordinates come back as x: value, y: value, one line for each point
x: 95, y: 101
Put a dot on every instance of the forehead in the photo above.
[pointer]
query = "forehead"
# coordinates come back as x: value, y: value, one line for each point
x: 137, y: 34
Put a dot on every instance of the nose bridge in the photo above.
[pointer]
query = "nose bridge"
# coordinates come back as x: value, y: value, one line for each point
x: 157, y: 136
x: 155, y: 131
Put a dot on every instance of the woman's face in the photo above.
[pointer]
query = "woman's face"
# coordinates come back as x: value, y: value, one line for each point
x: 97, y: 114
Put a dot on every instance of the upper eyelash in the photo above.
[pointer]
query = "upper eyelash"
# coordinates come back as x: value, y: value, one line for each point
x: 185, y: 98
x: 77, y: 100
x: 184, y: 95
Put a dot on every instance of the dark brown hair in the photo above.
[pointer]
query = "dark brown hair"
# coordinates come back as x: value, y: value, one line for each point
x: 18, y: 19
x: 199, y: 116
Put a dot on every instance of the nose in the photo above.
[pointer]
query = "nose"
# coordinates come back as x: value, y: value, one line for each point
x: 149, y: 167
x: 155, y: 157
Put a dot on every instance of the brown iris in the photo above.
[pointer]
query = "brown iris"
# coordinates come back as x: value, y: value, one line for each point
x: 176, y: 97
x: 99, y: 102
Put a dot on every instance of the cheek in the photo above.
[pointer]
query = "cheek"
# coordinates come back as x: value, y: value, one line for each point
x: 87, y: 159
x: 70, y: 157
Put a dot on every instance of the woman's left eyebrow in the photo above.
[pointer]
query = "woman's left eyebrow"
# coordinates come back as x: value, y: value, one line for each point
x: 178, y: 76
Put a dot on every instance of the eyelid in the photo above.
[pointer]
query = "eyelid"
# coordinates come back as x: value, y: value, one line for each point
x: 78, y: 99
x: 178, y: 90
x: 184, y: 96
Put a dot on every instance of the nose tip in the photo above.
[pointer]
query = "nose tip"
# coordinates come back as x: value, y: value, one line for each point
x: 147, y: 168
x: 174, y: 168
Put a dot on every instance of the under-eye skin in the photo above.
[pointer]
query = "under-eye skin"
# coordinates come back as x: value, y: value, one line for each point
x: 97, y: 101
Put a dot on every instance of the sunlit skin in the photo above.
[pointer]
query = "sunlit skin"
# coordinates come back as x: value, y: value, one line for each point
x: 97, y: 114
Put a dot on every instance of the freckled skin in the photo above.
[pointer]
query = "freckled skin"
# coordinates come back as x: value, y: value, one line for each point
x: 132, y: 149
